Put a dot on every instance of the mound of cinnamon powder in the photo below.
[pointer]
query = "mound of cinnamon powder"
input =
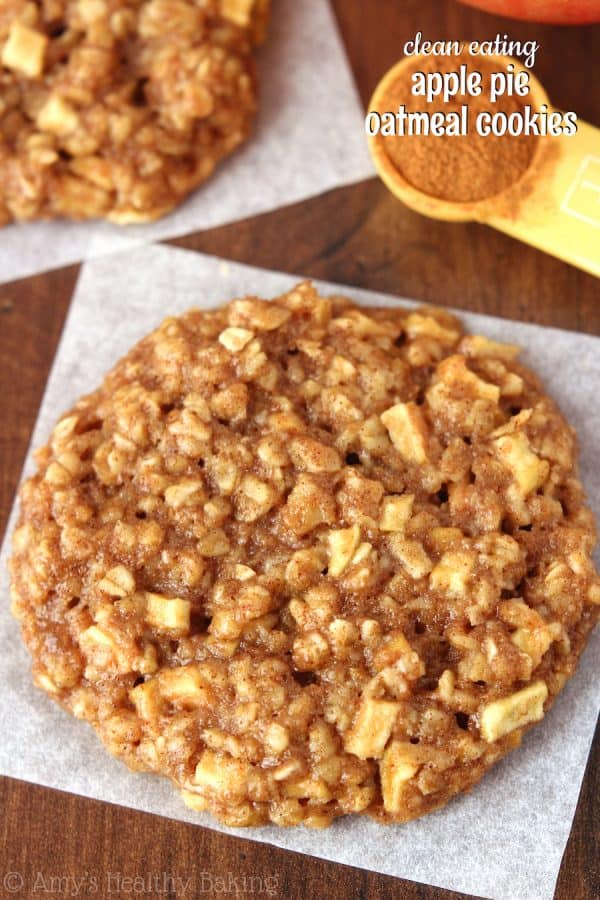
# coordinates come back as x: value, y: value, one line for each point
x: 457, y: 168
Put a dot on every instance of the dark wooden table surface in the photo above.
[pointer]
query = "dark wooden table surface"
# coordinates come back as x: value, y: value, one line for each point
x: 358, y: 235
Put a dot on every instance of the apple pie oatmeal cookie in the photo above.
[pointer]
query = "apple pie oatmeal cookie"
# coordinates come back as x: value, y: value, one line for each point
x: 120, y: 108
x: 308, y: 559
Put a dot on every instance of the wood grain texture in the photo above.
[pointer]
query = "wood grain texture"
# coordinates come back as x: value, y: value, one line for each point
x: 358, y: 235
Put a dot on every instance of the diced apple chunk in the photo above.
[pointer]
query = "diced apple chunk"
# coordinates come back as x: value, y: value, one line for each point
x: 168, y: 613
x: 24, y: 50
x: 57, y: 116
x: 442, y: 538
x: 256, y: 313
x: 195, y: 801
x: 411, y: 554
x: 308, y: 506
x: 94, y: 637
x: 254, y: 498
x: 243, y: 573
x: 594, y: 593
x: 372, y: 728
x: 146, y: 699
x: 534, y: 642
x: 476, y: 345
x: 533, y: 634
x: 530, y: 472
x: 222, y: 774
x: 500, y: 717
x: 184, y: 684
x: 309, y: 455
x: 419, y: 325
x: 452, y: 572
x: 408, y: 431
x: 373, y: 436
x: 185, y: 493
x: 235, y: 339
x: 400, y: 762
x: 102, y: 651
x: 395, y: 512
x: 46, y: 683
x: 309, y: 789
x: 277, y: 738
x: 455, y: 374
x: 396, y: 651
x: 214, y: 543
x: 118, y: 582
x: 343, y: 544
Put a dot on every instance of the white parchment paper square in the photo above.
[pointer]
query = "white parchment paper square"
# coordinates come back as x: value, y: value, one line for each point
x: 308, y: 138
x: 506, y: 838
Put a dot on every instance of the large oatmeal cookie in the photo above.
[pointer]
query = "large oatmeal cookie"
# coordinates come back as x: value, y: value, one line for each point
x: 120, y: 108
x: 308, y: 559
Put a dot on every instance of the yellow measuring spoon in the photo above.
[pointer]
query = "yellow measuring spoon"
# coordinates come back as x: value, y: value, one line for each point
x: 554, y: 206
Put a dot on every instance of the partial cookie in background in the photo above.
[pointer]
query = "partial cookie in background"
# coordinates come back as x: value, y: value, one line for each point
x: 308, y: 559
x: 118, y: 110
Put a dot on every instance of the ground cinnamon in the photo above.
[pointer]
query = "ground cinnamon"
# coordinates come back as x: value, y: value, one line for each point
x: 461, y: 168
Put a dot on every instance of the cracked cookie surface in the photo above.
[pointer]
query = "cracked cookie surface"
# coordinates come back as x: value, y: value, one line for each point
x: 308, y: 559
x: 118, y: 109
